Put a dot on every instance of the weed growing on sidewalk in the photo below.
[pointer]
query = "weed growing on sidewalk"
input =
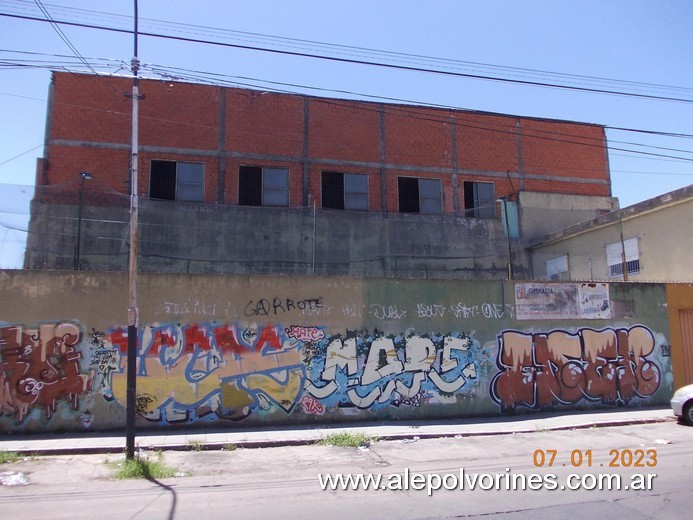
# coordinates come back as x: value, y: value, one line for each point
x: 142, y: 467
x: 196, y: 445
x: 8, y: 456
x: 346, y: 439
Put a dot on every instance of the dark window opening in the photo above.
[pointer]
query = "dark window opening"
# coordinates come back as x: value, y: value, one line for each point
x: 171, y: 180
x: 479, y: 199
x: 263, y: 186
x: 419, y: 195
x: 250, y: 186
x: 345, y: 191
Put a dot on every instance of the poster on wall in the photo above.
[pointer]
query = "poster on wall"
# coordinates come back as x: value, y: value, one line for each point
x: 594, y: 301
x: 562, y: 301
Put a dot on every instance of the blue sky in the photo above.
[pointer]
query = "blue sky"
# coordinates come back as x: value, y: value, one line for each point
x: 644, y: 45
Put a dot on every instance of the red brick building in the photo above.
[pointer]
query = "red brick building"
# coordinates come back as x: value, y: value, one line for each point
x: 236, y: 148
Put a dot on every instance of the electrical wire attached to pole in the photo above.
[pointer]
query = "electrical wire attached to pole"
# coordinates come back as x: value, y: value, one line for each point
x: 133, y: 310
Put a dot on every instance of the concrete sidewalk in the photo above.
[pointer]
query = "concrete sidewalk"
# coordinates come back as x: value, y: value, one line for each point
x: 268, y: 436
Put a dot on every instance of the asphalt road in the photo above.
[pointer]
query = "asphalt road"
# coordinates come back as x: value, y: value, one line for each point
x: 283, y: 482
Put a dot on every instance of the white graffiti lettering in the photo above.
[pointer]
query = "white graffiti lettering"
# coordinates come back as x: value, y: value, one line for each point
x: 352, y: 310
x: 200, y: 307
x: 387, y: 312
x: 430, y: 311
x: 392, y: 366
x: 490, y: 311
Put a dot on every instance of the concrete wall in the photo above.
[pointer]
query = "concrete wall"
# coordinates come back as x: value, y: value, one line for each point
x: 289, y: 350
x: 198, y: 238
x: 211, y: 238
x: 543, y: 213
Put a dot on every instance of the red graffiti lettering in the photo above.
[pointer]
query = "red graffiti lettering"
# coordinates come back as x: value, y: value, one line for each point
x: 40, y: 367
x: 226, y: 339
x: 196, y: 338
x: 268, y: 337
x: 119, y: 338
x: 305, y: 334
x: 312, y: 406
x: 194, y: 371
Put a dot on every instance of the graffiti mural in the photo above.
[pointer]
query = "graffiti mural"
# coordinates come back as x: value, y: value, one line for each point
x: 210, y: 371
x: 540, y: 370
x: 39, y: 368
x: 234, y: 371
x: 370, y: 371
x: 187, y: 373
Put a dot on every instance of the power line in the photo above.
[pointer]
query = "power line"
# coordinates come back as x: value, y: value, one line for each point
x: 410, y: 112
x: 160, y: 71
x: 62, y: 35
x: 67, y: 41
x: 679, y: 161
x: 14, y: 228
x: 21, y: 154
x: 410, y: 68
x: 550, y: 135
x: 351, y: 50
x: 407, y: 112
x: 157, y: 69
x: 196, y: 75
x: 655, y: 147
x: 651, y: 132
x: 653, y: 173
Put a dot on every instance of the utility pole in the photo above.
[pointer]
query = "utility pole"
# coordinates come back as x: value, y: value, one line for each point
x: 133, y: 311
x: 624, y: 263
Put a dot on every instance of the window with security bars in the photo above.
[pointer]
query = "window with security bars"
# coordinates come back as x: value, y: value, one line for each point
x: 419, y: 195
x: 172, y: 180
x: 345, y: 191
x: 615, y: 254
x: 259, y: 186
x: 479, y: 199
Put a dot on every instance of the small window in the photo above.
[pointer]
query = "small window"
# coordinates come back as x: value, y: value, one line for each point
x: 615, y: 253
x: 557, y: 268
x: 479, y: 199
x: 419, y: 195
x: 263, y: 186
x: 171, y: 180
x: 345, y: 191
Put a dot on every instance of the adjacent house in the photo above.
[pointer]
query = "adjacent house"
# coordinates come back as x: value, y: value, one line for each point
x: 642, y: 242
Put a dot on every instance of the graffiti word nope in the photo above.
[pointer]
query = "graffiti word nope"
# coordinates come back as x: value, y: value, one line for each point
x: 380, y: 370
x: 543, y: 369
x: 40, y: 367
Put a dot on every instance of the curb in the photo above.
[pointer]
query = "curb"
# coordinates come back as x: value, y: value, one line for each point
x: 278, y: 443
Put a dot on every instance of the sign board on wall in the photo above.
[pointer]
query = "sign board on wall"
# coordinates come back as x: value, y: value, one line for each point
x: 544, y: 301
x: 594, y: 301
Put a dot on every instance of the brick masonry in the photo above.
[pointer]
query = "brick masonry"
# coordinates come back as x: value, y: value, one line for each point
x: 90, y: 129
